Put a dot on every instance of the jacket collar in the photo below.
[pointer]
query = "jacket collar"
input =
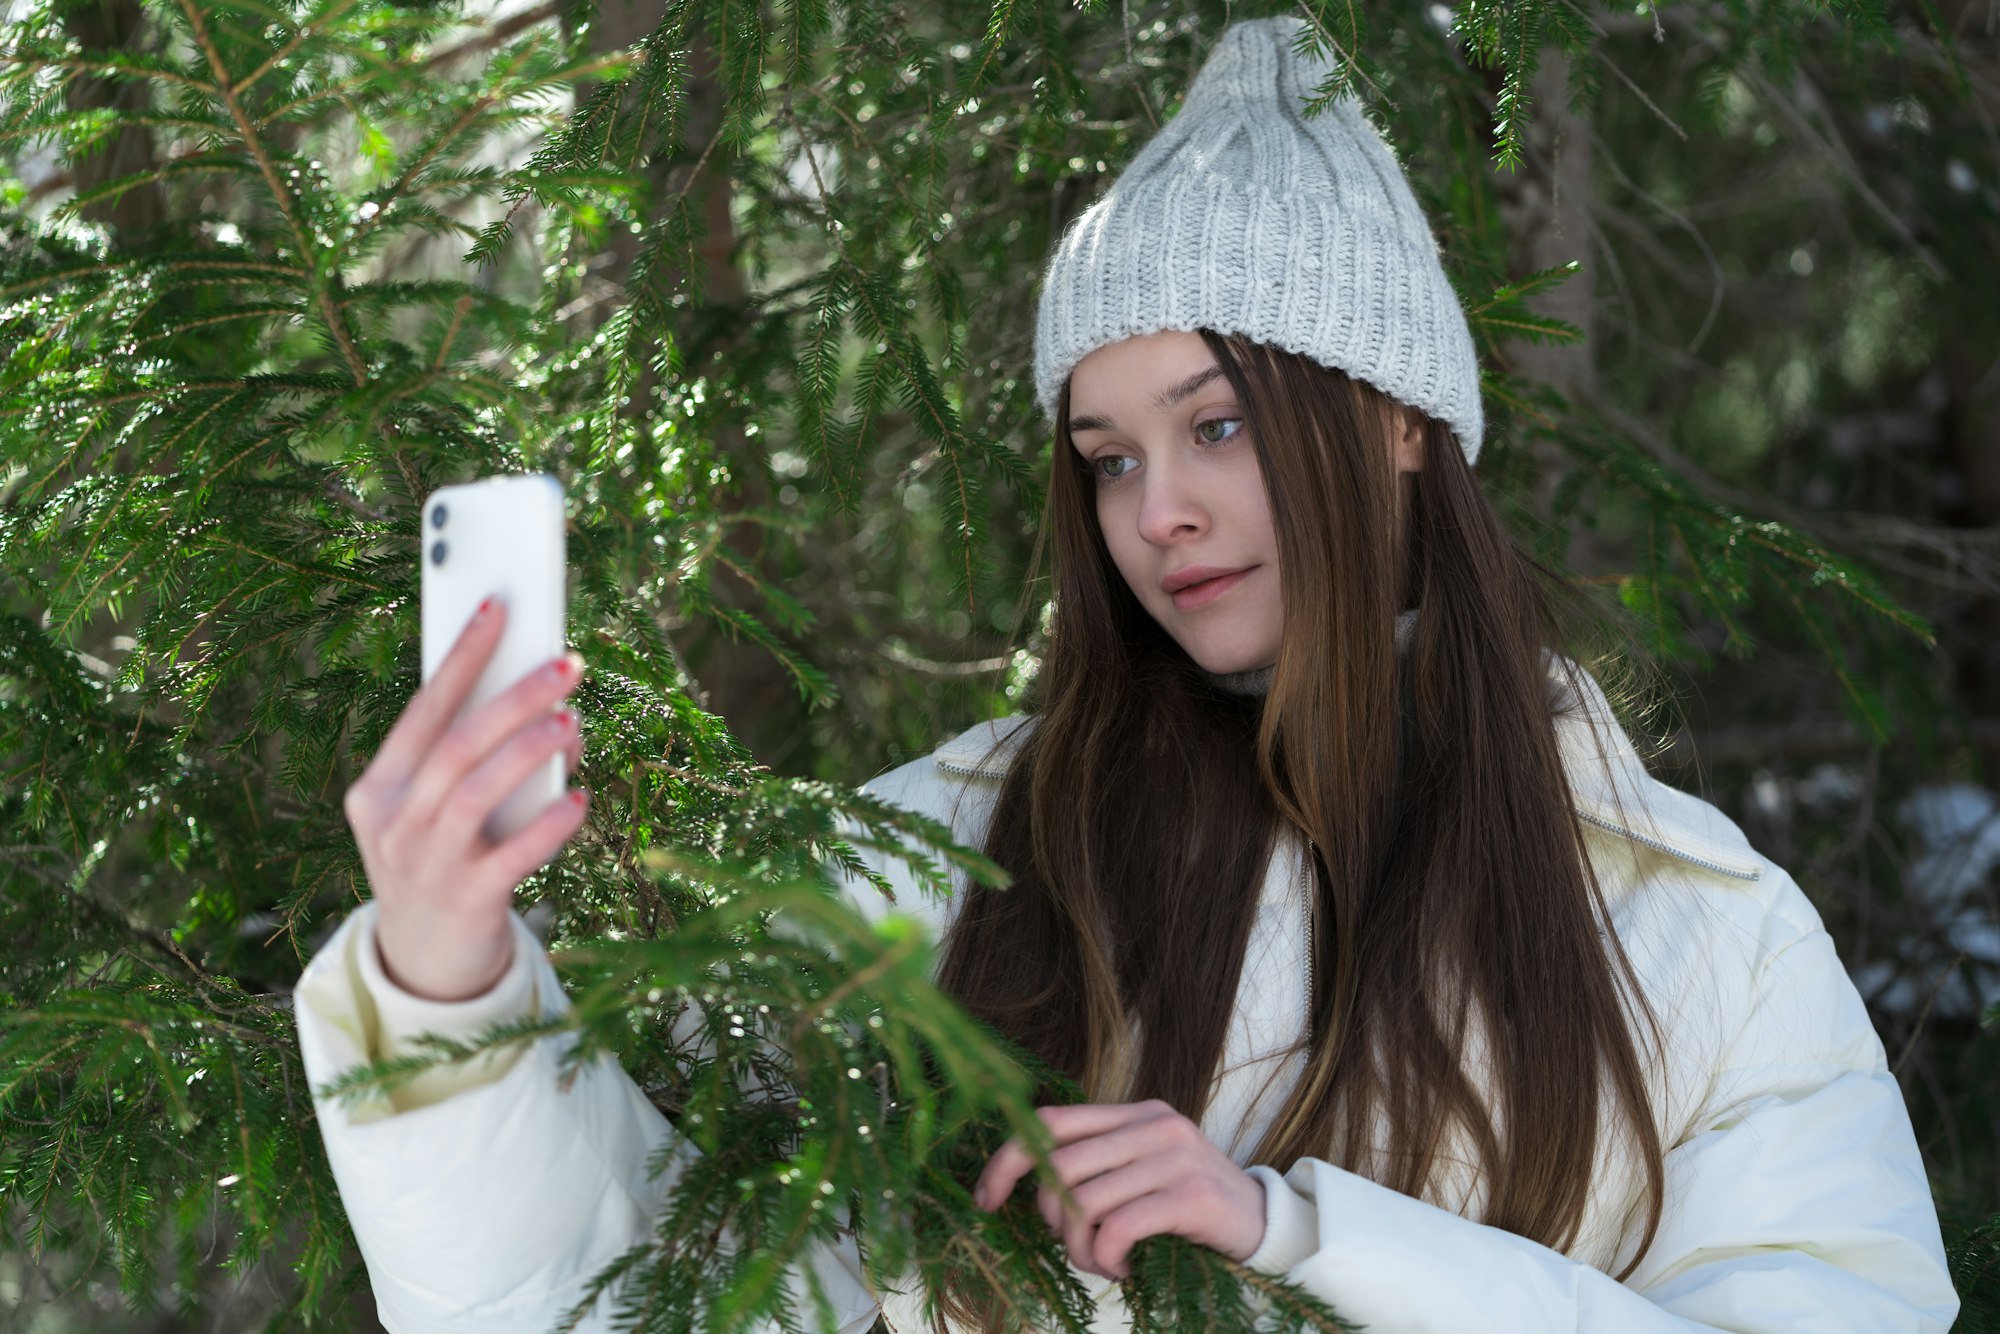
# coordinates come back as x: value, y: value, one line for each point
x: 1609, y: 785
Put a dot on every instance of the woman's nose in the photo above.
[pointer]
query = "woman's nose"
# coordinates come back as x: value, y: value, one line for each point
x: 1172, y: 507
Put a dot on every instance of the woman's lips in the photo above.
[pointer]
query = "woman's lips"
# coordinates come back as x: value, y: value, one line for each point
x: 1208, y: 590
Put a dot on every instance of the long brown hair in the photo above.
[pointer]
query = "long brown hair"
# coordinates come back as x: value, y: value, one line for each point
x: 1453, y: 897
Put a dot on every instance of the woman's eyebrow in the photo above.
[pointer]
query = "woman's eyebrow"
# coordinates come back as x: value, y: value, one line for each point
x: 1162, y: 401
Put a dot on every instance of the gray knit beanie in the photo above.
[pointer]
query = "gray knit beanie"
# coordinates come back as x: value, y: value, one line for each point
x: 1242, y: 216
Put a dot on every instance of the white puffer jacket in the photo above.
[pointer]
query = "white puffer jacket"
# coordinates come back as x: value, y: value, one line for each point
x: 483, y: 1199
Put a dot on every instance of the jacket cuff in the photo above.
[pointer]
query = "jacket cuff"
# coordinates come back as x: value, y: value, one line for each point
x: 401, y: 1016
x: 1291, y: 1225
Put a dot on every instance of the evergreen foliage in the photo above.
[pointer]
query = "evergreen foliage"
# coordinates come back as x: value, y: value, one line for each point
x: 375, y: 275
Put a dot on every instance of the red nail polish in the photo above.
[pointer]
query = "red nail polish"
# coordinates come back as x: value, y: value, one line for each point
x: 484, y: 607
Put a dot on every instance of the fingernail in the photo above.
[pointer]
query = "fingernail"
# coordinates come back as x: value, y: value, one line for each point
x: 484, y: 607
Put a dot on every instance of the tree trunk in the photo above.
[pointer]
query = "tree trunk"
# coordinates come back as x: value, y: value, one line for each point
x: 1546, y: 203
x: 738, y: 680
x: 116, y: 25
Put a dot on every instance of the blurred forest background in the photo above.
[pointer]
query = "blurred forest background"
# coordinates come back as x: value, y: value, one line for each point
x: 766, y: 304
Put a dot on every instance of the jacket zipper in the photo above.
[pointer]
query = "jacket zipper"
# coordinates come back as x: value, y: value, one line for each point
x: 1669, y: 848
x: 1305, y: 904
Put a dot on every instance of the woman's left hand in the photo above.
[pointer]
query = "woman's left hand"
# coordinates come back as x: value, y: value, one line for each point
x: 1137, y: 1169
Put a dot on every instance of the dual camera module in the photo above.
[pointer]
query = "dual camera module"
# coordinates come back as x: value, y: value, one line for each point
x: 437, y: 521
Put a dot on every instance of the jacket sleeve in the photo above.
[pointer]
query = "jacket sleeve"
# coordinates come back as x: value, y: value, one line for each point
x: 1796, y: 1201
x: 484, y: 1198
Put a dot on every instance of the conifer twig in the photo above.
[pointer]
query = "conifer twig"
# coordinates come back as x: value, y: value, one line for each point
x: 336, y: 325
x: 284, y: 52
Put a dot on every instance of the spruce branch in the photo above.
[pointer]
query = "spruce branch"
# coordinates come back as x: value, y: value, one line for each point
x: 254, y: 145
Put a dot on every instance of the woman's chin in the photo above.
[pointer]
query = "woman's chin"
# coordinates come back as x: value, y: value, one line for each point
x: 1218, y: 651
x: 1227, y: 663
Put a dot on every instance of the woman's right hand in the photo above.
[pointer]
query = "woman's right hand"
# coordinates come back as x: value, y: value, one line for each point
x: 442, y: 887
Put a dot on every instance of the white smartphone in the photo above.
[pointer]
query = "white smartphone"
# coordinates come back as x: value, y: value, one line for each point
x: 499, y: 536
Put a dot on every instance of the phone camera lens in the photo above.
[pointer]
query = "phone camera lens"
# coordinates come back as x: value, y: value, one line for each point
x: 437, y: 515
x: 437, y: 553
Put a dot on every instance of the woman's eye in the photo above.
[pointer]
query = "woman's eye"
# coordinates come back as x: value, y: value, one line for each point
x: 1106, y: 468
x: 1217, y: 421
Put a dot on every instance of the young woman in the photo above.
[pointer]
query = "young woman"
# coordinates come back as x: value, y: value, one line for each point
x: 1385, y: 964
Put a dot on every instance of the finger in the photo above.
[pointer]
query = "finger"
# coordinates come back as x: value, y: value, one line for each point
x: 438, y: 700
x: 996, y: 1182
x: 1149, y: 1139
x: 1073, y: 1121
x: 1067, y: 1123
x: 1078, y: 1231
x: 1009, y: 1163
x: 474, y: 738
x: 1055, y: 1211
x: 1149, y: 1214
x: 1101, y: 1196
x: 466, y: 809
x: 536, y: 843
x: 1086, y: 1159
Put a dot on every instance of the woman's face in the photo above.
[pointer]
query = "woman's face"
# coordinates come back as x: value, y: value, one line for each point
x: 1180, y: 496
